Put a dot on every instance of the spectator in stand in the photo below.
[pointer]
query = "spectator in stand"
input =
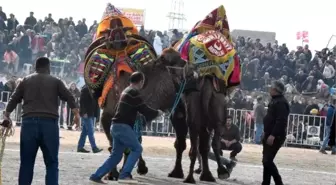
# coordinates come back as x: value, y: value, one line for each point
x: 25, y: 48
x: 49, y: 19
x: 38, y: 27
x: 30, y: 21
x: 12, y: 60
x: 48, y: 31
x: 2, y: 45
x: 3, y: 25
x: 3, y: 15
x: 165, y: 40
x: 329, y: 74
x: 70, y: 21
x: 81, y: 29
x: 259, y: 113
x: 37, y: 45
x: 55, y: 28
x: 176, y: 36
x: 12, y: 23
x: 307, y: 52
x: 142, y: 32
x: 296, y: 106
x: 95, y: 25
x: 158, y: 45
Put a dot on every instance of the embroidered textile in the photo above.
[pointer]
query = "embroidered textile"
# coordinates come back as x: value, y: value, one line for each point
x: 209, y: 46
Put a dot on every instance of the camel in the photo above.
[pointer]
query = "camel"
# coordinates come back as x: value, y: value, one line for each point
x: 209, y: 47
x: 110, y: 59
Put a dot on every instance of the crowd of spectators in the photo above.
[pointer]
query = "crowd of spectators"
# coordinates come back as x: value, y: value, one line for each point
x: 66, y: 42
x: 299, y: 70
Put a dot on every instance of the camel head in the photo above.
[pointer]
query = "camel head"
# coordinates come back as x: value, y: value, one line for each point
x: 164, y: 77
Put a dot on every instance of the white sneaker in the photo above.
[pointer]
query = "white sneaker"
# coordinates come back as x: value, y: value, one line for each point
x: 127, y: 180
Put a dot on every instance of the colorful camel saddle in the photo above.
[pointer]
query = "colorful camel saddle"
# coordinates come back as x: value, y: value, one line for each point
x: 210, y: 48
x: 116, y: 49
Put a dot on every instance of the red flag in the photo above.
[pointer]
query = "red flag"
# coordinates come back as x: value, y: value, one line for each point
x: 298, y: 35
x: 305, y: 34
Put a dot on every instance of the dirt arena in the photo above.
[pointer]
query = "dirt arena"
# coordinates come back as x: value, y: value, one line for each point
x: 297, y: 166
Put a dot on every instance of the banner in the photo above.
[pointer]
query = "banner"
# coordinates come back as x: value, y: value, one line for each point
x: 137, y: 16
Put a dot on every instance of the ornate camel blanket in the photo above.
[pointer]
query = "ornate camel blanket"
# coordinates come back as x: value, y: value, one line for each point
x: 104, y: 66
x: 118, y: 48
x: 210, y: 48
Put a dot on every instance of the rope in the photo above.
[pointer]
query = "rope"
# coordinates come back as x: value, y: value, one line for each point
x: 178, y: 97
x: 4, y: 133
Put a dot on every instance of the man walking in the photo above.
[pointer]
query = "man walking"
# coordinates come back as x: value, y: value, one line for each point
x: 329, y: 122
x: 259, y: 113
x: 40, y: 92
x: 275, y: 125
x: 129, y: 105
x: 88, y: 111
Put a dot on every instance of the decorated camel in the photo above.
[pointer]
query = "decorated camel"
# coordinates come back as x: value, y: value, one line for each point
x: 208, y: 47
x: 116, y: 52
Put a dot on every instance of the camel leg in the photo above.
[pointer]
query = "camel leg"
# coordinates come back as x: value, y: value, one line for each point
x: 218, y: 111
x: 192, y: 155
x: 142, y: 168
x: 106, y: 122
x: 194, y: 121
x: 181, y: 129
x: 204, y: 148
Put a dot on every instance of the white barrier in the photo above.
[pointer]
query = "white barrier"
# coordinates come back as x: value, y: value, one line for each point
x: 302, y: 129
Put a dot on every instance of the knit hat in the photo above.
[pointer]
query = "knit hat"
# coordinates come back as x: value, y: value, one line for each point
x: 278, y: 86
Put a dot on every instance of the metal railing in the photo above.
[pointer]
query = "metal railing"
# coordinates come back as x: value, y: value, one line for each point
x: 302, y: 130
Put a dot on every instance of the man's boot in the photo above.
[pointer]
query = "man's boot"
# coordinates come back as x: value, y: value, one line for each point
x: 97, y: 150
x: 322, y: 151
x: 82, y: 150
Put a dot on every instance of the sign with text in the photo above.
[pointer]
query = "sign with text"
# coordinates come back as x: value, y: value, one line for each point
x: 137, y: 16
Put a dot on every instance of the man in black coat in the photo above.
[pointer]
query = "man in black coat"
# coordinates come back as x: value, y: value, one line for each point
x: 275, y: 126
x: 88, y: 112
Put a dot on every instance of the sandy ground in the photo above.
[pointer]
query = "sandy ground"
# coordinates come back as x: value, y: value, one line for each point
x: 297, y: 166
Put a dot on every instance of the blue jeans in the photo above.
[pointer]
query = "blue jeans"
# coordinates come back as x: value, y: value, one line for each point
x: 44, y: 133
x: 123, y: 137
x: 326, y: 139
x: 259, y: 131
x: 87, y: 130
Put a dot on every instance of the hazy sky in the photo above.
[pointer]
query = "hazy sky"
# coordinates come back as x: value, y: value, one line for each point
x: 285, y: 17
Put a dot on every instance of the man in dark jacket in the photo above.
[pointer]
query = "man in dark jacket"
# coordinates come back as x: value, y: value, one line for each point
x: 130, y: 104
x: 30, y: 21
x: 275, y: 126
x: 88, y: 112
x: 40, y: 92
